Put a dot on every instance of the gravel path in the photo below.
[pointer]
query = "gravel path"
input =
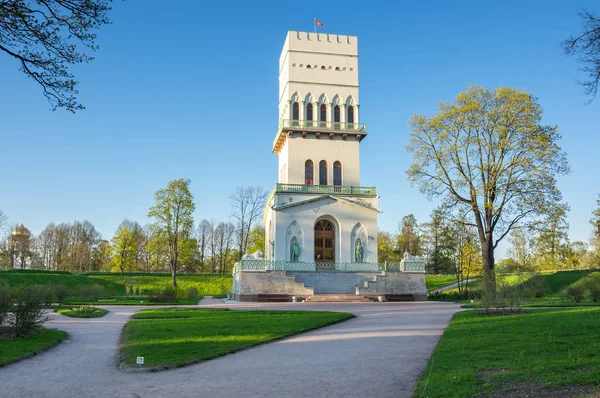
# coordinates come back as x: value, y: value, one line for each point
x: 380, y: 353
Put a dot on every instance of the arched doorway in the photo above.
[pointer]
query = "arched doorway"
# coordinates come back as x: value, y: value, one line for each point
x: 324, y: 245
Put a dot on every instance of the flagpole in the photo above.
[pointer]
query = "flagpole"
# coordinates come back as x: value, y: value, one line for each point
x: 315, y: 25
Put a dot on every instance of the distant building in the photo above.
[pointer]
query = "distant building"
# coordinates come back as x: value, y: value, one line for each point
x: 320, y: 223
x: 20, y: 249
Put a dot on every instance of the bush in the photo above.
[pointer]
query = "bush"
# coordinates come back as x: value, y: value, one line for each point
x: 27, y: 312
x: 575, y: 293
x: 168, y: 294
x: 47, y: 293
x: 61, y: 292
x: 592, y: 285
x: 5, y: 303
x: 192, y: 293
x: 84, y: 309
x: 88, y: 291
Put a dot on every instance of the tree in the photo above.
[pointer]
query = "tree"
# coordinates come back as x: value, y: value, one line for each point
x: 204, y: 236
x: 408, y: 237
x: 595, y: 221
x: 487, y: 154
x: 586, y: 46
x: 521, y: 248
x: 386, y: 250
x: 47, y: 36
x: 256, y: 239
x: 439, y: 243
x: 123, y: 250
x: 247, y: 204
x: 552, y: 243
x: 173, y: 219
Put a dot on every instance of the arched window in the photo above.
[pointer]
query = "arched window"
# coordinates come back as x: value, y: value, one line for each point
x: 337, y: 173
x: 308, y: 172
x: 323, y: 172
x: 296, y: 111
x: 336, y: 114
x: 350, y: 114
x: 308, y: 66
x: 309, y: 112
x: 323, y: 67
x: 323, y: 112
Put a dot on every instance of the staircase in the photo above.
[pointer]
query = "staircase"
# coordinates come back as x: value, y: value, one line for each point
x: 337, y: 298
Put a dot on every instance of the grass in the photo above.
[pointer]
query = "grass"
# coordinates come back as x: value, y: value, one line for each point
x: 177, y: 337
x: 99, y: 312
x: 13, y: 349
x: 207, y: 285
x: 33, y: 277
x: 129, y: 301
x: 478, y: 353
x: 436, y: 281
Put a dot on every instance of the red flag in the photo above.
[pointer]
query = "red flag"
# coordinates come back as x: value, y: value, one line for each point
x: 319, y: 23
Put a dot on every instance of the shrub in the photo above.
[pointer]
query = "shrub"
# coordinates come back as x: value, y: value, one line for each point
x: 47, y: 293
x: 575, y: 293
x: 84, y: 309
x: 27, y: 312
x: 168, y: 294
x: 592, y: 285
x: 88, y: 291
x: 192, y: 293
x: 5, y: 303
x: 61, y: 292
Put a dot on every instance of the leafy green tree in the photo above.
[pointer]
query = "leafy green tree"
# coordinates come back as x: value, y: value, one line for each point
x: 552, y: 244
x: 595, y: 221
x: 173, y: 220
x: 487, y: 153
x: 386, y: 250
x: 586, y: 46
x: 47, y: 36
x: 409, y: 239
x: 123, y: 249
x: 521, y: 249
x: 256, y: 239
x: 440, y: 243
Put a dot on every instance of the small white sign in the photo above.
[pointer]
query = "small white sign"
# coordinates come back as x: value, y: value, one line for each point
x: 140, y: 360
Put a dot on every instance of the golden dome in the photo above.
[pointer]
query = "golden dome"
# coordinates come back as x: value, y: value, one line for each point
x: 21, y: 231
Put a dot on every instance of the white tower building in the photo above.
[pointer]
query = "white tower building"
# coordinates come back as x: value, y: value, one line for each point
x: 320, y: 223
x: 319, y: 212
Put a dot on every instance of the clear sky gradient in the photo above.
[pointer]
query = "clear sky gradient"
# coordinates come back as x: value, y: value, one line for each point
x: 191, y: 91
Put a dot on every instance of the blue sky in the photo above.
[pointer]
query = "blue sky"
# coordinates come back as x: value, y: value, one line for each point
x: 192, y: 92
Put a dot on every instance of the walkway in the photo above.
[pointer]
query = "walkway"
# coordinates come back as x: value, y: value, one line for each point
x: 380, y: 353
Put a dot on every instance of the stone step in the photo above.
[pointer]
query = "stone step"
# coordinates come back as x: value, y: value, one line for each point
x: 348, y: 298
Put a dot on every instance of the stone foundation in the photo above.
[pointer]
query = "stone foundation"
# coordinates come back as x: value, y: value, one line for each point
x: 249, y: 285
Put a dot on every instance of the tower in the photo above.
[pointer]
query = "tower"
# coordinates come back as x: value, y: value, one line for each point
x: 318, y: 213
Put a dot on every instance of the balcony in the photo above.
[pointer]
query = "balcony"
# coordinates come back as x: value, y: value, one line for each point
x: 357, y: 130
x: 325, y: 189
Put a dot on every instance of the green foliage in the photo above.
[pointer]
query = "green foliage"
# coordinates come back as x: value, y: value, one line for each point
x: 27, y: 313
x: 575, y: 293
x: 5, y: 303
x: 502, y: 130
x: 61, y: 292
x: 173, y: 220
x: 13, y: 349
x: 89, y: 291
x: 48, y: 294
x: 177, y: 337
x: 192, y: 293
x: 477, y: 353
x: 123, y: 250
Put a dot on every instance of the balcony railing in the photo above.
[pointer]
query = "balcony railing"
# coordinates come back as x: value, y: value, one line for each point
x: 287, y: 124
x: 325, y: 189
x: 280, y: 265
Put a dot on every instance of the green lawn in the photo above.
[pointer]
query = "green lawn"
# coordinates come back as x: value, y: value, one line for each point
x: 99, y: 312
x: 207, y: 285
x: 16, y: 278
x: 478, y: 354
x: 434, y: 281
x: 177, y: 337
x: 13, y: 349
